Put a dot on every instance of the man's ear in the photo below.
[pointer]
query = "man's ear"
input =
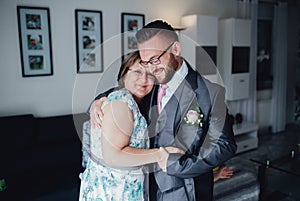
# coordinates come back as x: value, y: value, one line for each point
x: 176, y: 50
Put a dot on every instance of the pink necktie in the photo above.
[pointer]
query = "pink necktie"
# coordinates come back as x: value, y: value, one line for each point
x: 160, y: 95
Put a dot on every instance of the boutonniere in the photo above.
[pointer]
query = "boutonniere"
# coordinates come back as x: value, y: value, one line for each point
x: 194, y: 116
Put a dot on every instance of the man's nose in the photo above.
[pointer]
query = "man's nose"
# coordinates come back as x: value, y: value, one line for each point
x: 152, y: 68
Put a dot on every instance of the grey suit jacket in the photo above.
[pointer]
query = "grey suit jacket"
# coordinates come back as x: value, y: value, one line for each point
x: 189, y: 177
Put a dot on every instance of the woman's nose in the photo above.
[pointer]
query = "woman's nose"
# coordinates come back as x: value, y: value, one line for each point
x: 144, y: 77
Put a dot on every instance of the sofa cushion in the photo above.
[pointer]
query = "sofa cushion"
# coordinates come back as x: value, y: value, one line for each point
x: 60, y: 129
x: 41, y: 154
x: 64, y: 155
x: 56, y: 129
x: 17, y: 139
x: 16, y: 132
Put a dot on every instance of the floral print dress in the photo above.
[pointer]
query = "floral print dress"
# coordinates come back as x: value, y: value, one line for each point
x: 100, y: 182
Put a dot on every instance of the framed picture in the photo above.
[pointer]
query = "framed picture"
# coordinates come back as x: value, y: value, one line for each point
x: 89, y: 41
x: 131, y: 22
x: 35, y: 41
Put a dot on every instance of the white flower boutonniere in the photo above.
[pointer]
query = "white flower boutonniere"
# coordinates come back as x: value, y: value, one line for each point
x: 194, y: 116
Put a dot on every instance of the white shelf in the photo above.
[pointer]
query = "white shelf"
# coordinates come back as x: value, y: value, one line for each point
x: 200, y: 44
x: 245, y: 136
x: 246, y: 143
x: 245, y: 127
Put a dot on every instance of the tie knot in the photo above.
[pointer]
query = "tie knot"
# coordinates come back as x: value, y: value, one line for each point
x: 164, y: 87
x: 162, y: 90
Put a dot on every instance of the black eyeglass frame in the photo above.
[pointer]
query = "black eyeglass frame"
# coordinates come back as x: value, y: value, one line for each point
x: 156, y: 60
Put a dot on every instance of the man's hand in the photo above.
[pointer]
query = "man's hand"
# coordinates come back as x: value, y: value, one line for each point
x: 96, y: 113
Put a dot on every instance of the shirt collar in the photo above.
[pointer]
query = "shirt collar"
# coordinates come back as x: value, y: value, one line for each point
x: 178, y: 77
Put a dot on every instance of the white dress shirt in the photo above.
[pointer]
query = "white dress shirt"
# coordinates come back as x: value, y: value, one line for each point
x: 174, y: 83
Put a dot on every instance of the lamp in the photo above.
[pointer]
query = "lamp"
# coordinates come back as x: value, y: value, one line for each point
x: 179, y: 28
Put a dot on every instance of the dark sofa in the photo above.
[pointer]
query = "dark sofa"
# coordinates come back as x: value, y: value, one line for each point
x: 40, y: 155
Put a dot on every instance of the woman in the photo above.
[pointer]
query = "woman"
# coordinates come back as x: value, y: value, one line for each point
x: 120, y: 148
x: 222, y: 173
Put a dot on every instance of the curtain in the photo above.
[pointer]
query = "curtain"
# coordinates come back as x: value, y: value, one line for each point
x: 279, y: 67
x: 248, y: 9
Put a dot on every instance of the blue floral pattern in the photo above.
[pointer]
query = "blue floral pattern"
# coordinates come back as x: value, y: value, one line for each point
x: 103, y: 183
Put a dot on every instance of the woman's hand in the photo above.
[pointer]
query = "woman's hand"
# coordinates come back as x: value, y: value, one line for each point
x: 174, y: 150
x: 223, y: 173
x: 164, y: 153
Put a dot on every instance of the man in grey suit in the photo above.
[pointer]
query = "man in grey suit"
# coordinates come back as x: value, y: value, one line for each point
x: 193, y: 116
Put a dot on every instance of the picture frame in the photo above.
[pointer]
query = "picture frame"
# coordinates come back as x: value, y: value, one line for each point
x: 131, y: 23
x: 89, y: 39
x: 35, y: 41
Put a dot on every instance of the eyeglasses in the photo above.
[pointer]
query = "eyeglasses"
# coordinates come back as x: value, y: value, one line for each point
x: 155, y: 60
x: 139, y: 73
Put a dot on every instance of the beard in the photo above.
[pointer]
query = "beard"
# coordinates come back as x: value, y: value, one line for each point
x: 170, y: 69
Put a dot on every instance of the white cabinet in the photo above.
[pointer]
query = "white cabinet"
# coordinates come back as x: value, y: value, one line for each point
x: 245, y: 136
x: 202, y: 29
x: 234, y: 56
x: 227, y: 42
x: 201, y: 33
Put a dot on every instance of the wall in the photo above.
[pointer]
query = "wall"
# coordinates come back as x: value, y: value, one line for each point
x: 293, y: 72
x: 264, y: 97
x: 54, y: 95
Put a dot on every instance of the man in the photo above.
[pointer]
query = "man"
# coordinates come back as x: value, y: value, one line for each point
x: 192, y: 116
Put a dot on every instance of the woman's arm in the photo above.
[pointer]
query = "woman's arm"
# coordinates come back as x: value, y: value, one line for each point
x: 117, y: 127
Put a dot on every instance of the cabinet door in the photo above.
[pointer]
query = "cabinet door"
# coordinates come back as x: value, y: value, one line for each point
x: 241, y: 33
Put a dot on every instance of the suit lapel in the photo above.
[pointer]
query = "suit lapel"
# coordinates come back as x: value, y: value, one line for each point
x: 173, y: 112
x: 183, y: 96
x: 152, y: 116
x: 200, y: 88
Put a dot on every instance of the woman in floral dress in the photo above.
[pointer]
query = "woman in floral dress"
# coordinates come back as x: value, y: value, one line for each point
x: 120, y: 148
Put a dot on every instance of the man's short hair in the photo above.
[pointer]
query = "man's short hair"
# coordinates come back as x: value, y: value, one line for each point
x: 154, y: 28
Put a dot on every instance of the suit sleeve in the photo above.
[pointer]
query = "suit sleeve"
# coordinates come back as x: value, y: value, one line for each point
x: 104, y: 94
x: 209, y: 148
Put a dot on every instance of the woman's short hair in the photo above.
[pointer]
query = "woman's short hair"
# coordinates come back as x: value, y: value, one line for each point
x: 126, y: 64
